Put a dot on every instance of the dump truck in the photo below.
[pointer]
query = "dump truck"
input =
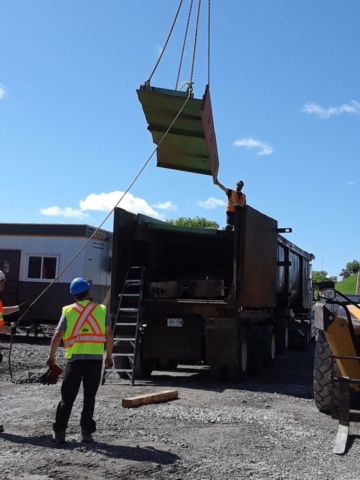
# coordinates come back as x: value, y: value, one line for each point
x: 231, y: 300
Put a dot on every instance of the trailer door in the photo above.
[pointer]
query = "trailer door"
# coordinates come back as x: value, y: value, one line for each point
x: 10, y: 265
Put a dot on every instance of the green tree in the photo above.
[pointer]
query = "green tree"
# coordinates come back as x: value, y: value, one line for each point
x: 350, y: 269
x: 196, y: 222
x: 320, y: 276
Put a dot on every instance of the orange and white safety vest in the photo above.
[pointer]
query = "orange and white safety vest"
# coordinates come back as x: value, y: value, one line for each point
x: 85, y: 328
x: 1, y: 314
x: 235, y: 199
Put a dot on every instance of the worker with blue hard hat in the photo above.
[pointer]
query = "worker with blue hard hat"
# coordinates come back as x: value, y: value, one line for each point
x: 84, y: 326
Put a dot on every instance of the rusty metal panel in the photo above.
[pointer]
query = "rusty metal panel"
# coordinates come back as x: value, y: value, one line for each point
x: 190, y: 144
x: 165, y: 289
x: 258, y: 262
x: 209, y: 131
x: 206, y: 288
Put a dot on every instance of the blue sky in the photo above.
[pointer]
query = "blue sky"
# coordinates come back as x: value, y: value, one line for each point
x: 285, y: 83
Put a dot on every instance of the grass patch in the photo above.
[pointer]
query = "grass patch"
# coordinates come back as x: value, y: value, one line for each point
x: 348, y: 285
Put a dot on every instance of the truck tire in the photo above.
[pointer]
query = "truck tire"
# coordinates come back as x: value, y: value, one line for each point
x: 322, y: 372
x: 256, y: 350
x: 306, y: 341
x: 143, y: 366
x: 238, y: 373
x: 122, y: 363
x: 218, y: 372
x: 269, y: 352
x: 168, y: 364
x: 282, y: 336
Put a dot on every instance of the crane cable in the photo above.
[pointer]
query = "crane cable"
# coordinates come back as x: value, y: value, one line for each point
x: 18, y: 322
x: 184, y: 44
x: 166, y: 43
x: 190, y: 83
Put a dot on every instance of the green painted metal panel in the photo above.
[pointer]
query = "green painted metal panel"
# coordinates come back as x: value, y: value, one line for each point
x: 185, y: 147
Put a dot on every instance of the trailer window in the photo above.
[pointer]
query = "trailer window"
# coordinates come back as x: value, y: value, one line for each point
x: 42, y: 268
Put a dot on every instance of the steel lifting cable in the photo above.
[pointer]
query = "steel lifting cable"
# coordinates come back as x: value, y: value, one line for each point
x: 166, y: 43
x: 18, y: 322
x: 195, y: 45
x: 184, y: 44
x: 107, y: 217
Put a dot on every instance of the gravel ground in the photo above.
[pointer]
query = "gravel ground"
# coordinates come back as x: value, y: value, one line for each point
x: 266, y: 428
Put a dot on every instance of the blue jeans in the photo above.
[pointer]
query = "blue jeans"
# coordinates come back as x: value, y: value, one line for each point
x: 89, y: 372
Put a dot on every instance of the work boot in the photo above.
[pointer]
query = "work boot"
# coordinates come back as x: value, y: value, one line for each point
x: 85, y: 436
x: 58, y: 437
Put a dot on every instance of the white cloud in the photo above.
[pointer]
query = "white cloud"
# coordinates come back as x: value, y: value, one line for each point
x: 166, y: 206
x: 66, y: 212
x: 211, y: 203
x: 104, y: 202
x: 313, y: 108
x: 3, y: 91
x: 248, y: 142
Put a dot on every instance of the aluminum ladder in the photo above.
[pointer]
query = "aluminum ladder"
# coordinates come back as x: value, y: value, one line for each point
x: 126, y: 326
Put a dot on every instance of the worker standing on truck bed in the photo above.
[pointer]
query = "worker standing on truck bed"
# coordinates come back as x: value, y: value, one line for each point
x: 7, y: 311
x: 235, y: 198
x: 83, y: 326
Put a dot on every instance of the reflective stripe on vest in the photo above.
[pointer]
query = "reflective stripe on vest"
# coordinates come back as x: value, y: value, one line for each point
x: 234, y: 200
x: 85, y: 332
x: 1, y: 314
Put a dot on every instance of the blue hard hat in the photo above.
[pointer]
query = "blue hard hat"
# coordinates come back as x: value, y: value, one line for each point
x: 79, y: 285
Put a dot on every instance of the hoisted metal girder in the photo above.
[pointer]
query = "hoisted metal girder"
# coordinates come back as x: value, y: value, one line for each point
x: 190, y: 144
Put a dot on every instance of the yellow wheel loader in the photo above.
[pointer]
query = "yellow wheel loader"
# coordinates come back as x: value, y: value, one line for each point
x: 337, y: 356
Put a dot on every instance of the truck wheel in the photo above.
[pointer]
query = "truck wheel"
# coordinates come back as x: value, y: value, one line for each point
x: 144, y: 366
x: 237, y: 373
x: 269, y: 346
x: 168, y: 364
x: 218, y: 372
x: 322, y: 372
x: 282, y: 336
x: 256, y: 350
x: 122, y: 363
x: 306, y: 341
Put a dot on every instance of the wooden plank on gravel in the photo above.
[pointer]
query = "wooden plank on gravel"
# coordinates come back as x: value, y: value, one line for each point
x: 149, y: 398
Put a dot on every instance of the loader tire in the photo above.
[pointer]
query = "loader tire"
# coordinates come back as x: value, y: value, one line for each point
x: 322, y: 372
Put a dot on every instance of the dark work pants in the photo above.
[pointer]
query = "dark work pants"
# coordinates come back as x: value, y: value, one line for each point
x: 230, y: 221
x: 89, y: 371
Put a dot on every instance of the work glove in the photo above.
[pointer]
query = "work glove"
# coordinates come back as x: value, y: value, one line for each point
x: 24, y: 305
x: 50, y: 377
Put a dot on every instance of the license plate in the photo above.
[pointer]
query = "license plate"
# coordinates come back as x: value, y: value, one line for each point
x: 175, y: 322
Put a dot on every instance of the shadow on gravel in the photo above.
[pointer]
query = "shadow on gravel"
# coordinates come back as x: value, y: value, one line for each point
x: 291, y: 375
x: 140, y: 454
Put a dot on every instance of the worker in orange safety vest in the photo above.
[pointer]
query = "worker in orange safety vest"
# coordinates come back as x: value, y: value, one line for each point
x: 7, y: 311
x: 84, y: 327
x: 235, y: 198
